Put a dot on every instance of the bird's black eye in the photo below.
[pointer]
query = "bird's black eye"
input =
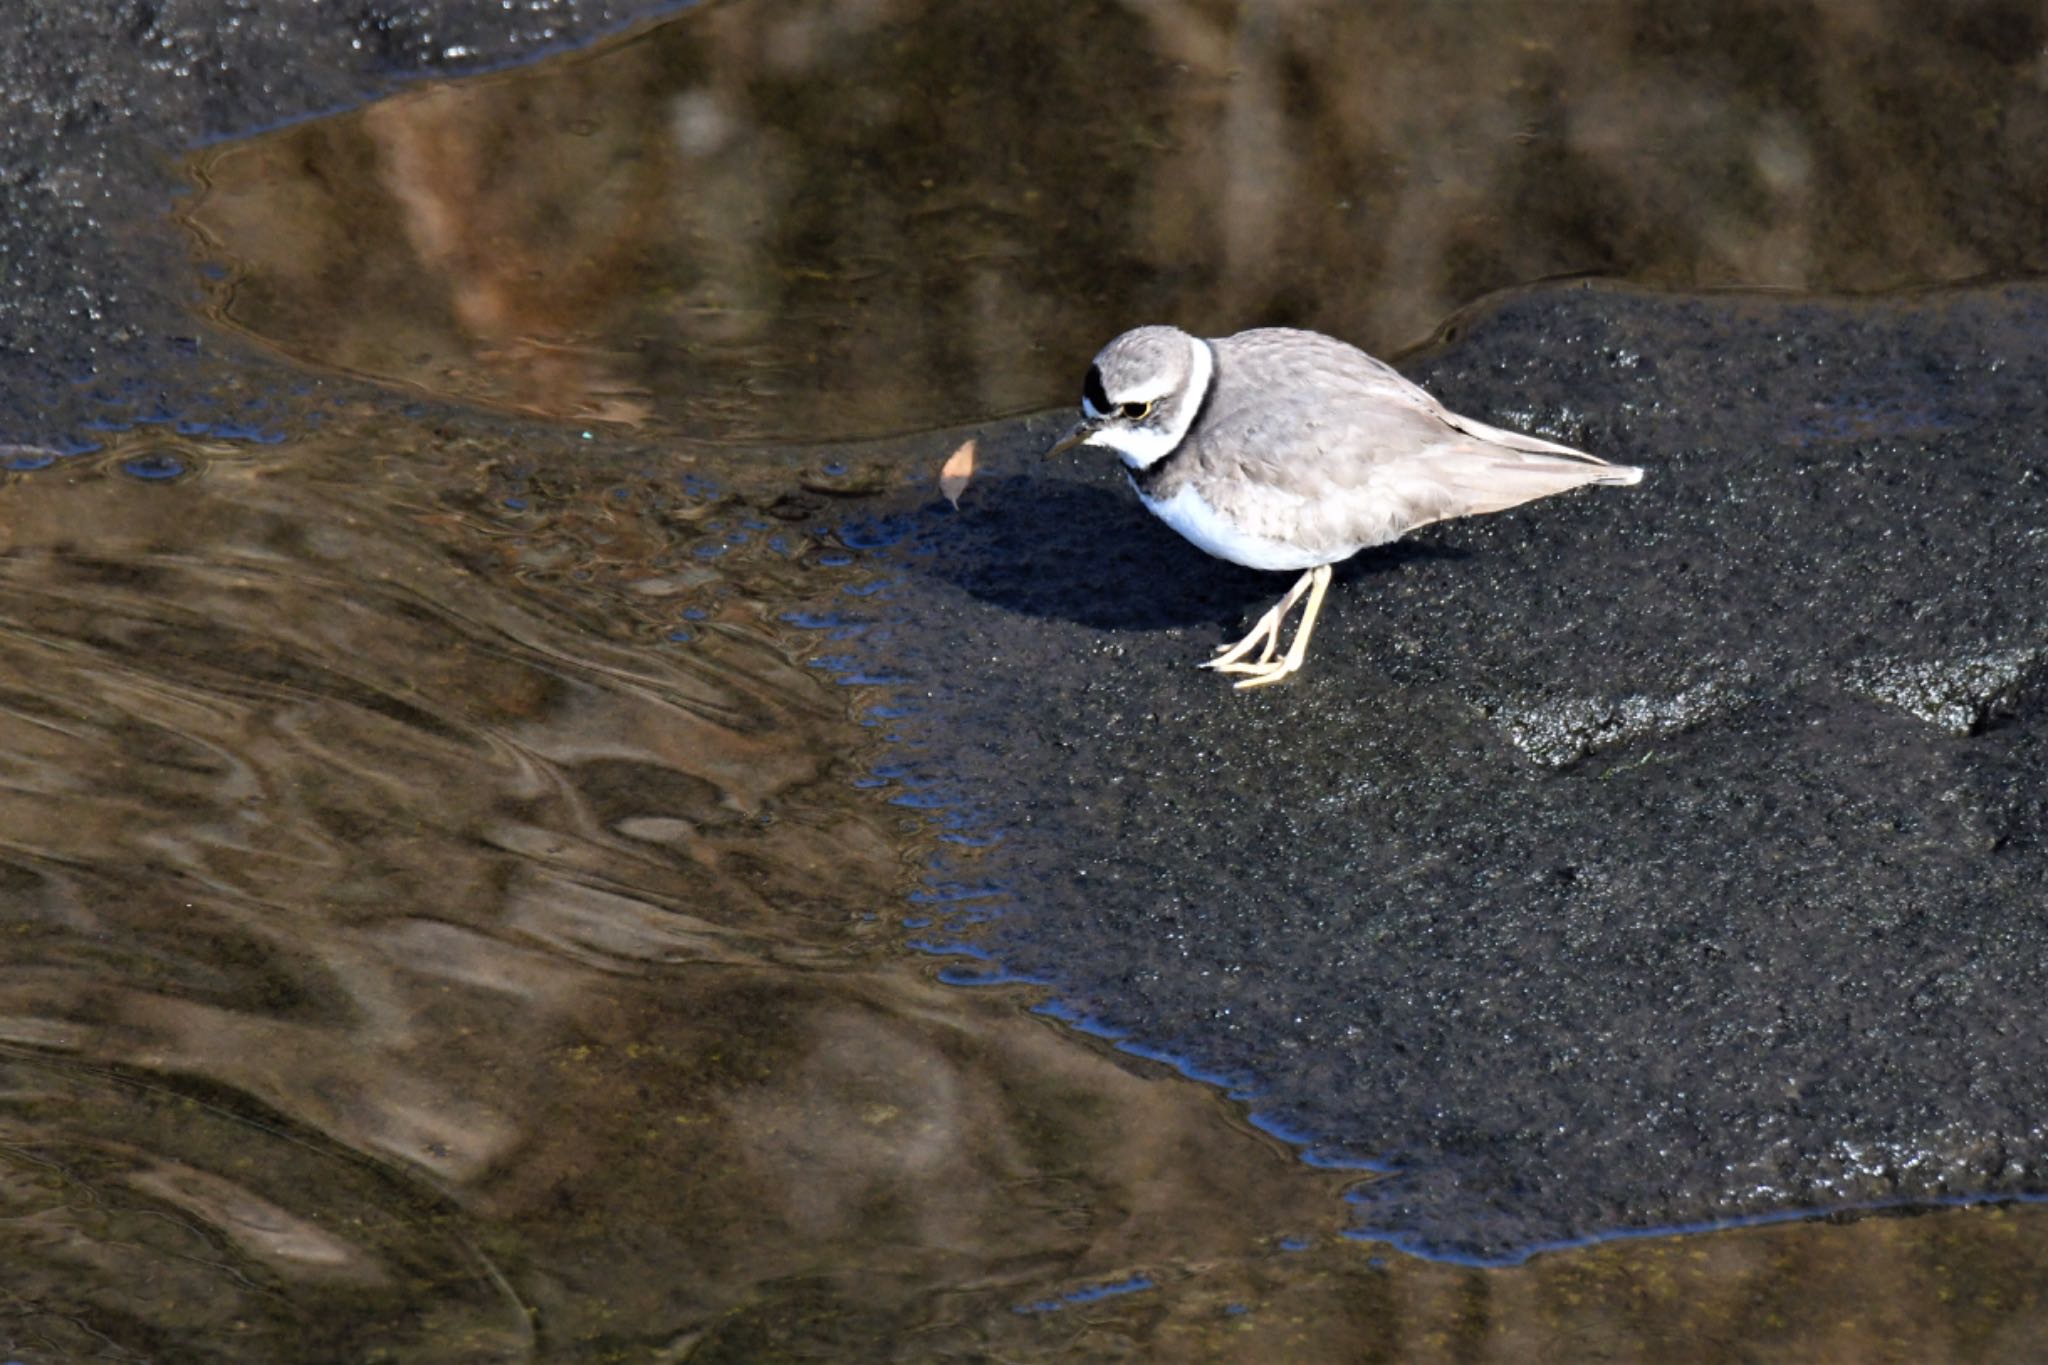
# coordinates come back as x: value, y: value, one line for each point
x: 1135, y: 410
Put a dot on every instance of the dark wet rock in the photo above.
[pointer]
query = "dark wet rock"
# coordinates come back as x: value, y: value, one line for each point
x: 1960, y: 695
x: 1636, y: 858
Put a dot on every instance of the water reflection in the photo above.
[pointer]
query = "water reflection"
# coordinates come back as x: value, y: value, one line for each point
x: 813, y: 220
x: 414, y: 928
x: 1880, y: 1290
x: 143, y: 1212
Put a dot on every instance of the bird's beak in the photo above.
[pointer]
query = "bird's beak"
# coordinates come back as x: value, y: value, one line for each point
x: 1083, y: 429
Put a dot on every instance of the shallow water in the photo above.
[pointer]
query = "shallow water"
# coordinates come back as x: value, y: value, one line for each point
x: 473, y: 870
x: 459, y: 922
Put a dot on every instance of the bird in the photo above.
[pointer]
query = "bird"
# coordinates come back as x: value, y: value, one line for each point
x: 1283, y: 449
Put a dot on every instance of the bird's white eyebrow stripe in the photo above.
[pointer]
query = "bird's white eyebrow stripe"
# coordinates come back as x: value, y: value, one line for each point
x: 1148, y: 395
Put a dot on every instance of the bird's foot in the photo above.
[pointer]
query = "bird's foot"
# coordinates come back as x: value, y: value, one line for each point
x: 1230, y: 658
x: 1267, y: 669
x: 1270, y: 672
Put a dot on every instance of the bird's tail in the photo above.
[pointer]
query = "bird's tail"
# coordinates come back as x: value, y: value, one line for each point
x: 1475, y: 479
x: 1510, y: 467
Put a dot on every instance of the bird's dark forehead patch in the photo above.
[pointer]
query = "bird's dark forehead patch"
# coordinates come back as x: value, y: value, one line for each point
x: 1092, y: 392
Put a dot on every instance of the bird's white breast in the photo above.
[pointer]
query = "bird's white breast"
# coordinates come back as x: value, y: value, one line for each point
x: 1210, y: 530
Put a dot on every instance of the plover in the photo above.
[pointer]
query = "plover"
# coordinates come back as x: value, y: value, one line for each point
x: 1285, y: 449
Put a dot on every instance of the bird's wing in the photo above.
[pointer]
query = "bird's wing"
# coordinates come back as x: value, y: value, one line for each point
x: 1330, y: 421
x: 1301, y: 405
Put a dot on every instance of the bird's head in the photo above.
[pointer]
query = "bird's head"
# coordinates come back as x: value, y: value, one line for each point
x: 1142, y: 394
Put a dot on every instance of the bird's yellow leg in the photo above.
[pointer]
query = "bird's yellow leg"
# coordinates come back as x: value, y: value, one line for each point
x: 1267, y: 631
x: 1296, y: 652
